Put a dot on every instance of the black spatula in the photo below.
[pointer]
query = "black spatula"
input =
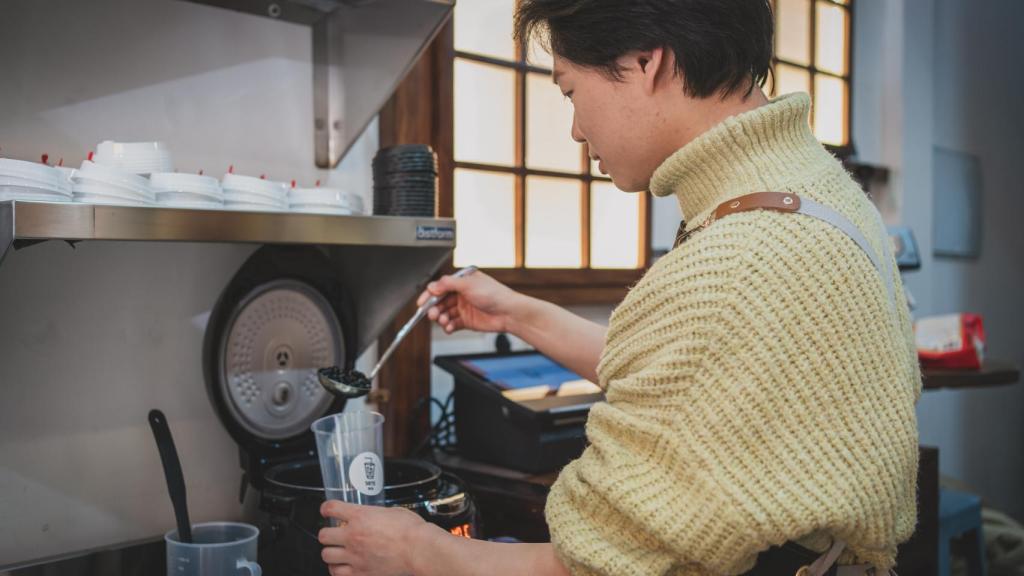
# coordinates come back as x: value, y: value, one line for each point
x: 172, y: 471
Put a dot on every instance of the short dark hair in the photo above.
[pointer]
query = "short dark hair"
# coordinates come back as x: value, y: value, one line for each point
x: 720, y: 46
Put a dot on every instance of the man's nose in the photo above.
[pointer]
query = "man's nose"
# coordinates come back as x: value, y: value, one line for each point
x: 577, y: 135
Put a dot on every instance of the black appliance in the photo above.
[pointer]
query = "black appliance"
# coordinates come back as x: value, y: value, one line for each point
x: 294, y: 492
x: 535, y: 435
x: 284, y: 314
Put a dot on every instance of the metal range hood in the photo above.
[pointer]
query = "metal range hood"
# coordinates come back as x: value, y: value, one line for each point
x: 362, y: 49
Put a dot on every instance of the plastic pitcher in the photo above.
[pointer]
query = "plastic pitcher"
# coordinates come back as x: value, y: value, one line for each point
x: 217, y: 549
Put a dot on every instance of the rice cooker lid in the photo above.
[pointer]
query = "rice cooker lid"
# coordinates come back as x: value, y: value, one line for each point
x: 276, y: 339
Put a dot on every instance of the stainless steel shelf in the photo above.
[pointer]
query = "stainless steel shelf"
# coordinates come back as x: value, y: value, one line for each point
x: 31, y: 221
x: 385, y: 258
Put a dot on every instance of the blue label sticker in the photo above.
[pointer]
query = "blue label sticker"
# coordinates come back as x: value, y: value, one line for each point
x: 435, y: 233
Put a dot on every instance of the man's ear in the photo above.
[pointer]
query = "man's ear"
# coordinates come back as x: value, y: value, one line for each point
x: 653, y: 66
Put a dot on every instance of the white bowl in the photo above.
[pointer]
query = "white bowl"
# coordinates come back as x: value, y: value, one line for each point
x: 187, y: 183
x: 247, y: 198
x: 250, y: 207
x: 320, y: 209
x: 98, y: 173
x: 192, y: 205
x: 8, y: 192
x: 135, y: 157
x: 89, y: 187
x: 34, y: 174
x: 85, y: 185
x: 34, y: 186
x: 275, y: 191
x: 107, y: 200
x: 173, y: 197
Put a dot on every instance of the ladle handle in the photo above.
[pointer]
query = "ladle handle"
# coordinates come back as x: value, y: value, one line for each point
x: 421, y: 312
x: 172, y: 471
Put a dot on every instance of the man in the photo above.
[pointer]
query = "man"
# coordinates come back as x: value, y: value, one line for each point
x: 761, y: 377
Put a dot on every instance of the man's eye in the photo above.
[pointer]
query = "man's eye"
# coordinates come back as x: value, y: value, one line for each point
x: 568, y: 94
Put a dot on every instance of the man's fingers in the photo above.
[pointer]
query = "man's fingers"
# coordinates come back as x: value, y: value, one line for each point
x: 423, y: 298
x: 336, y: 555
x: 340, y: 510
x: 332, y: 536
x: 453, y: 326
x: 341, y: 570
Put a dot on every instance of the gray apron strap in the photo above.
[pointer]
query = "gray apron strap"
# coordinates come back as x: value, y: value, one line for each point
x: 880, y: 261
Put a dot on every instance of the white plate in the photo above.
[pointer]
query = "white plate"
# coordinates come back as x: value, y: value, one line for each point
x: 186, y: 183
x: 321, y: 209
x: 245, y: 198
x: 187, y: 197
x: 114, y: 176
x: 107, y: 200
x: 249, y: 207
x: 192, y: 205
x: 86, y: 186
x: 30, y: 194
x: 275, y: 191
x: 34, y: 186
x: 40, y: 175
x: 135, y: 157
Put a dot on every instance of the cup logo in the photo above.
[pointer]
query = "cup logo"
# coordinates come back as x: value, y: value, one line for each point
x: 365, y: 474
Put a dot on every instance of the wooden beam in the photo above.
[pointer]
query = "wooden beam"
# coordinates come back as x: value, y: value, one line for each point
x: 419, y: 112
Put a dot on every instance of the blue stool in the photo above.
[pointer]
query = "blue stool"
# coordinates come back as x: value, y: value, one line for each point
x: 960, y: 518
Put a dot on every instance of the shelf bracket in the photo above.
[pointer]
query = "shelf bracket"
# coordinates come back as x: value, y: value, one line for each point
x: 362, y: 50
x: 360, y: 55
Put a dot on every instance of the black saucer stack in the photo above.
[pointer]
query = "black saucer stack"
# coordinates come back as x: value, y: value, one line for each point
x: 405, y: 180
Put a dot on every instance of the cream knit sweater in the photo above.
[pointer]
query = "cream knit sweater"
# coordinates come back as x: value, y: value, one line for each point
x: 759, y: 388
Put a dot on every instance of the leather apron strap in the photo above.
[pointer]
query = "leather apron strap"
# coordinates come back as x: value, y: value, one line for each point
x: 786, y: 202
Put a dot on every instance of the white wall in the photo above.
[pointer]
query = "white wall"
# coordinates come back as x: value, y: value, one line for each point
x: 946, y: 73
x: 91, y: 338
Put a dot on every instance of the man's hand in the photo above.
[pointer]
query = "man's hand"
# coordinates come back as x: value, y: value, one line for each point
x: 370, y: 540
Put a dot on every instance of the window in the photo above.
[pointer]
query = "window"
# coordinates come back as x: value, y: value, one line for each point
x: 525, y: 195
x: 812, y: 54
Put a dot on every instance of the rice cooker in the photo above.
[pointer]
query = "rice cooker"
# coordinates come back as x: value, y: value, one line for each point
x: 284, y: 314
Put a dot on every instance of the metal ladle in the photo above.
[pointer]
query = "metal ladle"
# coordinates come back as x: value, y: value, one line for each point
x: 352, y: 383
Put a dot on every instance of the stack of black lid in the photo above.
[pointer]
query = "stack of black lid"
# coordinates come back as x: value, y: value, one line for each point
x: 405, y: 180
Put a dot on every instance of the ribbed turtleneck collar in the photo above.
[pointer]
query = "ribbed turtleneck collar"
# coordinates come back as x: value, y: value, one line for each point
x: 765, y: 149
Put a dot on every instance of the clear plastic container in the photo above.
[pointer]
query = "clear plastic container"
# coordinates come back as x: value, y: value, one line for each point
x: 217, y: 549
x: 350, y: 447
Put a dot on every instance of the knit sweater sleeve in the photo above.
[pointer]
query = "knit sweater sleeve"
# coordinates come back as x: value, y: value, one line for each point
x: 758, y: 391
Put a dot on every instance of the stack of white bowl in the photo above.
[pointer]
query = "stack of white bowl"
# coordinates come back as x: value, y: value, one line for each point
x: 249, y: 193
x: 135, y: 157
x: 324, y: 201
x: 98, y: 184
x: 20, y: 180
x: 186, y: 190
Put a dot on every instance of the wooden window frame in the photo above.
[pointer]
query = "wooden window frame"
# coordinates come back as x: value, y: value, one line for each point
x: 845, y: 151
x: 584, y: 285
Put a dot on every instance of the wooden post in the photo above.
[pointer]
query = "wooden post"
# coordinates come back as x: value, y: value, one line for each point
x: 419, y: 112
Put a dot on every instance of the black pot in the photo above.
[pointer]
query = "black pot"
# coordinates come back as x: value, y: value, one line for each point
x: 293, y: 493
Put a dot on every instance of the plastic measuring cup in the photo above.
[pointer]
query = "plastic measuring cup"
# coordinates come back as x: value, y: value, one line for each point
x: 350, y: 447
x: 217, y: 549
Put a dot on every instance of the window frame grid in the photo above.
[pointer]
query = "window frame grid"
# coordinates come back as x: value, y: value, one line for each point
x: 844, y: 150
x: 521, y: 68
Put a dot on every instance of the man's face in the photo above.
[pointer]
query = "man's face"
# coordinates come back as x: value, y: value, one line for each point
x: 614, y: 119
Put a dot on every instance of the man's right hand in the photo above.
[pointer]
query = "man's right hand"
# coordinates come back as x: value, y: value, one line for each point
x: 475, y: 302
